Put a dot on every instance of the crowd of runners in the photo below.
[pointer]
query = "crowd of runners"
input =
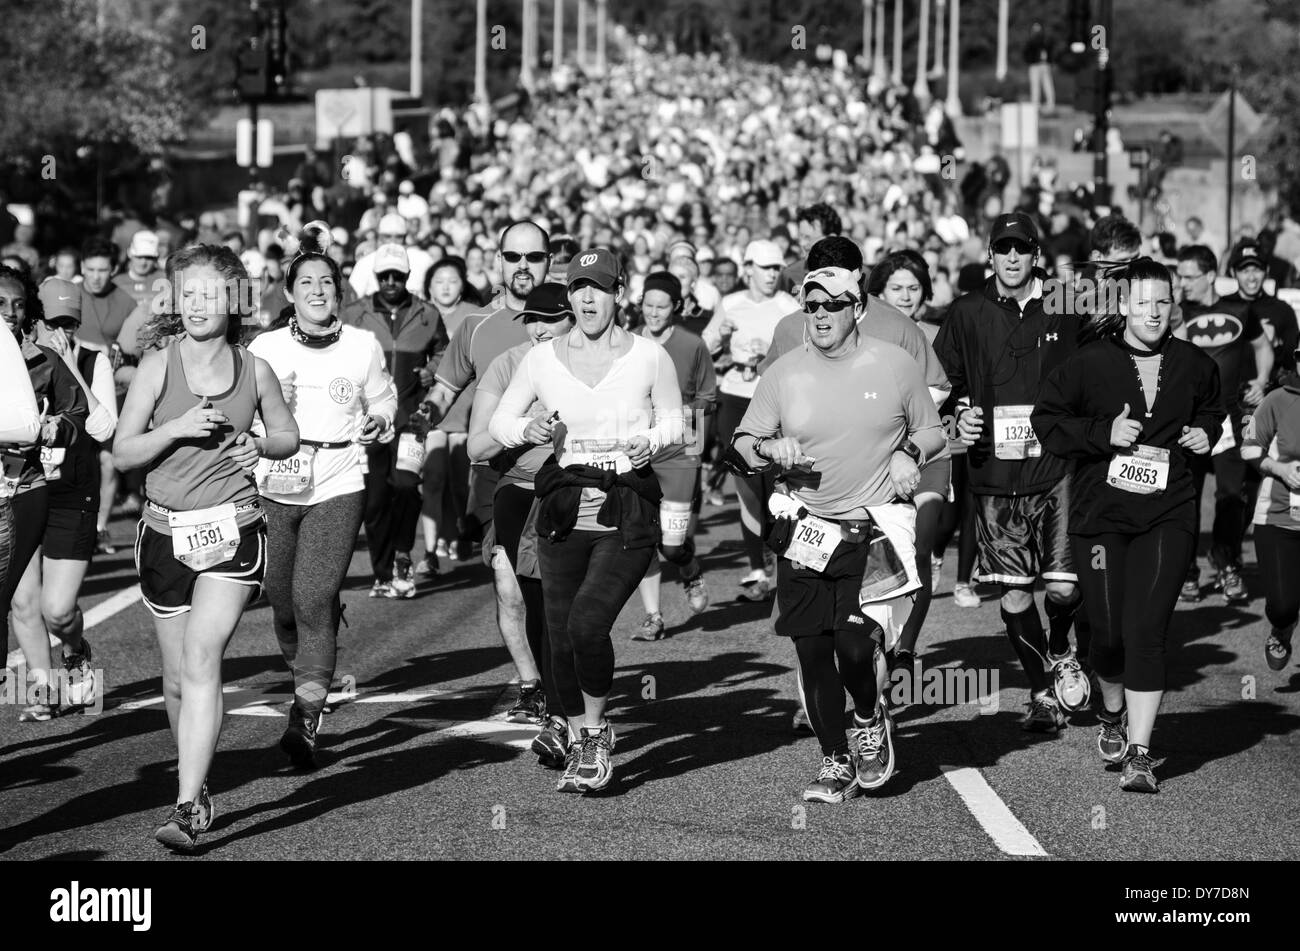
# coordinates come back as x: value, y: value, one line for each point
x: 553, y: 362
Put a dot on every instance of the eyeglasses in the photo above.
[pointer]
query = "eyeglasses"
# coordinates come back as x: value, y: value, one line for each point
x: 830, y: 306
x: 1013, y: 244
x: 533, y: 257
x: 1189, y: 277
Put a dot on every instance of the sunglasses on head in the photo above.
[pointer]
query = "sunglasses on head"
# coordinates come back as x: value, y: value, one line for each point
x: 1013, y: 244
x: 830, y: 306
x: 533, y: 257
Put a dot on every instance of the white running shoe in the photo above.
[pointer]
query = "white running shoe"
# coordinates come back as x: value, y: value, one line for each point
x: 964, y: 596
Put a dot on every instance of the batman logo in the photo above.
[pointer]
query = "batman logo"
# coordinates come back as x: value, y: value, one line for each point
x: 1213, y: 330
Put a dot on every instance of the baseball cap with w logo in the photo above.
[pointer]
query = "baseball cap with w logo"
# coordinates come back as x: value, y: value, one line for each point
x: 597, y: 266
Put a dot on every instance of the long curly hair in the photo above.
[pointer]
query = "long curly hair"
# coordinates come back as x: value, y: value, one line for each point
x: 165, y: 322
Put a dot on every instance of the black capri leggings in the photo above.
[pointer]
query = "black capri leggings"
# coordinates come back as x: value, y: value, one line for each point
x: 1278, y: 551
x: 30, y: 512
x: 586, y: 580
x: 1130, y: 587
x: 824, y: 684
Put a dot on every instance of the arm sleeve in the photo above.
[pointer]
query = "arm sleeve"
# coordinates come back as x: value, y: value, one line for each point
x: 378, y: 391
x: 923, y: 426
x: 101, y: 423
x: 456, y: 369
x: 1058, y: 420
x: 1259, y: 432
x: 948, y: 349
x: 666, y: 401
x: 19, y: 417
x: 509, y: 422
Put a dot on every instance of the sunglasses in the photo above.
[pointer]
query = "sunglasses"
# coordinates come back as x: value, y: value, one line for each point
x: 830, y: 306
x: 60, y: 324
x: 1013, y: 244
x: 533, y: 257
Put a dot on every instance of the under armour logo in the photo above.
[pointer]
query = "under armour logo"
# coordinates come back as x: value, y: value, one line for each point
x: 869, y: 396
x: 854, y: 619
x: 1051, y: 337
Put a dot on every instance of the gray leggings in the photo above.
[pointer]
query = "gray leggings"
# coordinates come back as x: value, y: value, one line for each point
x: 308, y: 550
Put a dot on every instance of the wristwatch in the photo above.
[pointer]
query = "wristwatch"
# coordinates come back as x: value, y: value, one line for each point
x: 911, y: 449
x: 759, y: 442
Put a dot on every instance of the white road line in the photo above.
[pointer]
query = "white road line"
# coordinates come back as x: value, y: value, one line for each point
x: 98, y: 614
x: 992, y: 813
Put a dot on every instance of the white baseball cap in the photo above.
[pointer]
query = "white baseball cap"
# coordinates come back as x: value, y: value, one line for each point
x: 144, y: 244
x: 391, y: 257
x: 763, y: 253
x: 392, y: 224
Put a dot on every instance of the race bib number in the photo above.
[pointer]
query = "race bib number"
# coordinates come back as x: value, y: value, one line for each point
x: 599, y: 453
x: 410, y: 453
x: 1013, y: 436
x: 204, y: 537
x: 813, y: 542
x: 1144, y: 471
x: 292, y: 476
x: 51, y: 460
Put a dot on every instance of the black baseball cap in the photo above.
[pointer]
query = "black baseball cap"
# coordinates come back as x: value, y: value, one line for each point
x: 596, y: 266
x: 1016, y: 225
x: 547, y: 302
x: 1247, y: 254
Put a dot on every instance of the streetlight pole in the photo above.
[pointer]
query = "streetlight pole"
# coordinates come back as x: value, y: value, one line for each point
x: 940, y: 16
x: 480, y: 53
x: 921, y: 89
x: 1002, y: 40
x: 1100, y: 172
x: 868, y: 11
x: 897, y: 75
x: 953, y: 105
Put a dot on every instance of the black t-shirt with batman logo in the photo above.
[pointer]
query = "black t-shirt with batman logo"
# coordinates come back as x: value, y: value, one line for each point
x: 1225, y: 331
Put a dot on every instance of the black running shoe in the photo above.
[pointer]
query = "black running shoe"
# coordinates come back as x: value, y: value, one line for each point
x: 552, y: 744
x: 1277, y: 648
x: 1139, y: 771
x: 1234, y: 589
x: 299, y: 740
x: 1112, y: 736
x: 179, y: 833
x: 204, y: 811
x: 531, y: 705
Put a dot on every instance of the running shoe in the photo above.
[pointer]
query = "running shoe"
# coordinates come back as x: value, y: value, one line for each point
x: 464, y: 550
x: 900, y: 658
x: 1070, y: 684
x: 756, y: 586
x: 1234, y: 589
x: 964, y: 596
x: 441, y: 549
x: 80, y: 686
x: 38, y: 713
x: 651, y: 629
x: 1277, y: 647
x: 382, y: 589
x: 1112, y: 736
x: 801, y: 722
x: 715, y: 498
x: 204, y: 810
x: 569, y: 778
x: 531, y: 705
x: 836, y: 781
x: 179, y: 832
x: 1191, y: 590
x: 104, y: 543
x: 873, y: 745
x: 936, y: 566
x: 1139, y: 771
x: 769, y: 563
x: 552, y: 744
x: 427, y: 567
x: 1044, y: 714
x: 697, y: 594
x: 403, y: 583
x: 594, y: 770
x: 299, y: 740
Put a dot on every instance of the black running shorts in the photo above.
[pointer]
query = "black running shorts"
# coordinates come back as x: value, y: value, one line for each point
x: 69, y: 535
x: 936, y: 478
x: 1023, y: 536
x: 679, y: 485
x: 814, y: 602
x: 168, y: 585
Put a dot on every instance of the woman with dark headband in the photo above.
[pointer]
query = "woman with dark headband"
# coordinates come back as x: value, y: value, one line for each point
x: 342, y: 399
x: 1131, y: 410
x: 201, y: 545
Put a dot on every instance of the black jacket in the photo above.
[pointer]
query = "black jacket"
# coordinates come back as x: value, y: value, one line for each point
x: 998, y: 357
x: 631, y: 501
x: 1078, y: 405
x: 56, y: 388
x: 412, y: 337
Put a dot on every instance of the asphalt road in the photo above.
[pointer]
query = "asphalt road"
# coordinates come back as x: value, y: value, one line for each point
x: 418, y: 764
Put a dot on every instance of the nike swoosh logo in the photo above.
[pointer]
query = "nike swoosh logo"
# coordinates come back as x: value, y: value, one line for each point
x: 65, y: 298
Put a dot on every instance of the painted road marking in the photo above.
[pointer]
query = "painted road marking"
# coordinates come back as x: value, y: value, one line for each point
x: 262, y: 706
x: 992, y: 813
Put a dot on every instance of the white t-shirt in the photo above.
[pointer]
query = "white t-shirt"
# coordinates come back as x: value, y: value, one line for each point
x: 750, y: 325
x: 336, y: 386
x: 19, y: 417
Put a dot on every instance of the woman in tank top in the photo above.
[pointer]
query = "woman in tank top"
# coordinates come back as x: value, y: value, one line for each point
x: 201, y: 543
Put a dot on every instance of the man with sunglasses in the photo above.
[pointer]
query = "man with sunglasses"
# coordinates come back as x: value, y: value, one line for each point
x: 411, y: 333
x: 856, y: 416
x: 392, y: 229
x: 998, y: 345
x: 523, y: 260
x: 743, y: 324
x: 1231, y: 333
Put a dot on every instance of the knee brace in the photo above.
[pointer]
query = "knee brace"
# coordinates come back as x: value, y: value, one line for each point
x: 675, y: 520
